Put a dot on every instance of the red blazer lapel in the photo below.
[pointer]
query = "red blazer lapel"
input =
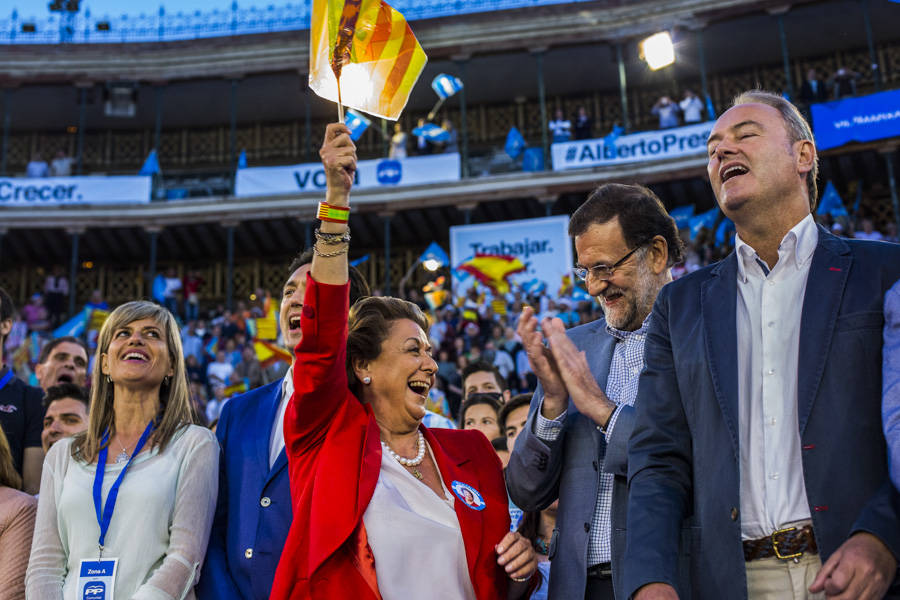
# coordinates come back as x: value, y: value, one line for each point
x: 471, y: 521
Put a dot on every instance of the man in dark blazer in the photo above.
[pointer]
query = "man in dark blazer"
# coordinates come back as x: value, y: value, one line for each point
x: 758, y: 412
x: 573, y: 446
x: 253, y: 513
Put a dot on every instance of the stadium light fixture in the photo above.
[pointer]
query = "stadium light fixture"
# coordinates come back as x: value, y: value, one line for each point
x: 431, y: 264
x: 658, y: 51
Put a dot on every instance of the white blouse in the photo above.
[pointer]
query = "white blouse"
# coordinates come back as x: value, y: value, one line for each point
x: 159, y: 528
x: 415, y: 538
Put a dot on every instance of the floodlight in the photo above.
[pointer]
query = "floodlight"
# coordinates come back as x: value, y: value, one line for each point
x: 657, y: 50
x: 432, y: 264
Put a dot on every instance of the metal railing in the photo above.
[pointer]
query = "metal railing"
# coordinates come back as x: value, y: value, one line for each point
x: 165, y: 26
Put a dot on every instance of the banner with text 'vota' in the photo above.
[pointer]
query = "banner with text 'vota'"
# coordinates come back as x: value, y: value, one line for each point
x: 863, y: 119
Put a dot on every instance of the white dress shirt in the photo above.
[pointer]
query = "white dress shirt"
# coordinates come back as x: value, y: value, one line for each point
x: 769, y: 308
x: 407, y: 525
x: 276, y: 442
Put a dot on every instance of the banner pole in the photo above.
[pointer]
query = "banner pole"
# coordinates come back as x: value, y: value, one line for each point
x: 340, y: 103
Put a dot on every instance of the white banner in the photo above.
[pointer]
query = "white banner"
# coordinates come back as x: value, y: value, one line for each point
x: 637, y: 147
x: 310, y: 177
x: 542, y: 245
x: 89, y: 189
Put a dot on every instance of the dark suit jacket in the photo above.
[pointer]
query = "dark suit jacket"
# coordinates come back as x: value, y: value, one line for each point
x: 819, y: 95
x: 683, y: 458
x: 254, y: 506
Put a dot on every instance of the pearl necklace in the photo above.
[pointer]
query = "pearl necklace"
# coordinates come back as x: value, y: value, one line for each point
x: 409, y: 462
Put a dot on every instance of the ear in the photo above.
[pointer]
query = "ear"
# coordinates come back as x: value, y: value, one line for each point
x: 5, y: 327
x: 104, y: 364
x: 39, y: 371
x: 360, y: 368
x: 506, y: 396
x: 805, y: 151
x: 658, y: 254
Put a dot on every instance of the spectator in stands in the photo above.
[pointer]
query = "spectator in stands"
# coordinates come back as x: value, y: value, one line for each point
x: 255, y: 420
x: 141, y: 435
x: 667, y: 112
x: 814, y: 88
x: 583, y: 125
x: 61, y: 165
x: 499, y: 444
x: 66, y: 413
x: 37, y: 167
x: 691, y: 107
x: 249, y: 369
x: 21, y: 411
x: 215, y: 404
x: 192, y: 341
x: 423, y: 144
x: 512, y: 418
x: 173, y: 287
x: 35, y: 314
x: 538, y: 528
x: 17, y: 512
x: 481, y: 411
x: 398, y: 142
x: 844, y: 82
x: 867, y: 231
x: 452, y: 143
x: 96, y: 301
x: 218, y: 372
x: 480, y: 377
x: 62, y: 360
x: 890, y: 232
x: 56, y: 294
x: 191, y: 289
x: 560, y: 127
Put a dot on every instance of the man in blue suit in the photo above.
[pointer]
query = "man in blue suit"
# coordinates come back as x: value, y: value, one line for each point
x: 573, y: 446
x: 253, y: 513
x: 758, y: 412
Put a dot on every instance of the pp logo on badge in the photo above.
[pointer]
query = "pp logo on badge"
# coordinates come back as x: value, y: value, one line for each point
x: 94, y: 590
x: 389, y: 172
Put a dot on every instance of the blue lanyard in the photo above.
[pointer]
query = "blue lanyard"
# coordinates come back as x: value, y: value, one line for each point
x: 6, y: 379
x: 104, y: 518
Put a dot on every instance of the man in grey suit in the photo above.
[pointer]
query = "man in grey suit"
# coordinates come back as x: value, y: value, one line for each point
x: 573, y: 446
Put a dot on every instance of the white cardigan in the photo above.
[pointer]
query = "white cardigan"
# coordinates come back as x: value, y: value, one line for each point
x: 159, y: 529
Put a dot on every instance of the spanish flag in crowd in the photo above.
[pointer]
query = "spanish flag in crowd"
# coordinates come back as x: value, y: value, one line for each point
x: 371, y: 48
x: 493, y: 270
x: 268, y: 353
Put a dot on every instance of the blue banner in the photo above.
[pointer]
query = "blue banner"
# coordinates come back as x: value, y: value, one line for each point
x: 446, y: 85
x: 863, y: 119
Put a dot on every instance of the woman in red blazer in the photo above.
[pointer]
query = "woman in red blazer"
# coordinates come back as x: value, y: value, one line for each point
x: 383, y: 507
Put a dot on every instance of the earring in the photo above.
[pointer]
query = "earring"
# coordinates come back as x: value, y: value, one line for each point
x: 108, y: 380
x: 367, y: 380
x: 166, y: 380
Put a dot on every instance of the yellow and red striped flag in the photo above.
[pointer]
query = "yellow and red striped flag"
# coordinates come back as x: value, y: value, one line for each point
x: 370, y: 46
x: 493, y: 270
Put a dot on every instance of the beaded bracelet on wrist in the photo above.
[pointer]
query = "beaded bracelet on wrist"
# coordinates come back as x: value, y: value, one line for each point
x: 332, y: 239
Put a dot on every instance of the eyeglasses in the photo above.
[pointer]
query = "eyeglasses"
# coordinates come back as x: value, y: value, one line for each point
x: 604, y: 272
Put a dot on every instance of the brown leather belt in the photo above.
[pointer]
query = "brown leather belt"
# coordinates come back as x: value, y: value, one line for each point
x: 788, y: 543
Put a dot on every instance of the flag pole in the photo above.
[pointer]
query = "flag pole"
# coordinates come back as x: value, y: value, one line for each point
x: 436, y: 108
x: 340, y: 104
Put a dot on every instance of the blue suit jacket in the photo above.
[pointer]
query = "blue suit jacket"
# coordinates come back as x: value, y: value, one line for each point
x: 683, y: 456
x: 254, y: 506
x: 569, y: 469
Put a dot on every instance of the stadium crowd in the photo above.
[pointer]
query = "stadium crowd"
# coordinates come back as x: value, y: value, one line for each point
x: 552, y: 418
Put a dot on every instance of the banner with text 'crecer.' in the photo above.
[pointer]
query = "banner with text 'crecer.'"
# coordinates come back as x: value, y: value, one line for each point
x: 92, y: 189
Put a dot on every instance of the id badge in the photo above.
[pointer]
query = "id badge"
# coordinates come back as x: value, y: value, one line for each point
x: 97, y: 579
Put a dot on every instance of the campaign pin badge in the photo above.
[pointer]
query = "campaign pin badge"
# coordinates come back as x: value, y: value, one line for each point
x: 469, y: 495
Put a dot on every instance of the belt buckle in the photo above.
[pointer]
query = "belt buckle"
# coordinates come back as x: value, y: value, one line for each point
x: 778, y: 554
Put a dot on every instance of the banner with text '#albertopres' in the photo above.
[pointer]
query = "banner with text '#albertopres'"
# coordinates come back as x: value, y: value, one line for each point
x: 637, y: 147
x: 310, y: 177
x: 542, y: 245
x: 88, y: 189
